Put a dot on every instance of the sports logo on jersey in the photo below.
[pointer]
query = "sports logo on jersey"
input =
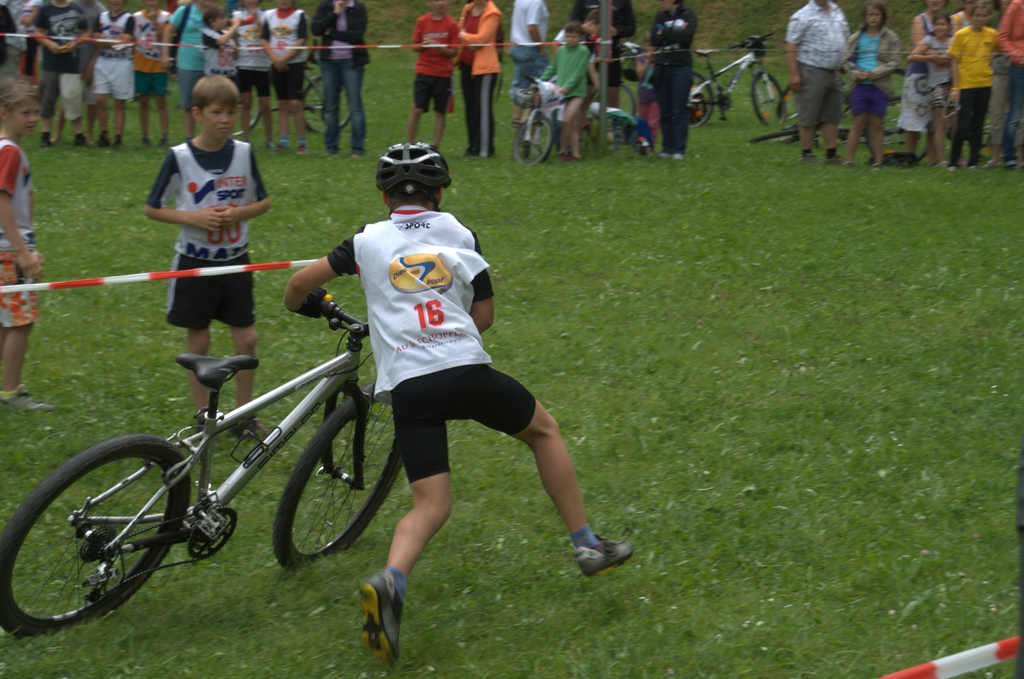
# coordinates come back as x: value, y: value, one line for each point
x: 281, y: 31
x: 199, y: 193
x: 418, y: 273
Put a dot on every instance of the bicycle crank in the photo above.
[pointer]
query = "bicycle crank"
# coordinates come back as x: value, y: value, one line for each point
x: 211, y: 530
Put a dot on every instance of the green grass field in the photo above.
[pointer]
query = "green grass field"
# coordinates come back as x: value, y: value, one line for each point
x: 794, y: 388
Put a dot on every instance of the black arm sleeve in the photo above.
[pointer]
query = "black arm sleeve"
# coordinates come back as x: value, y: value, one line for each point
x: 627, y: 28
x: 579, y: 11
x: 682, y: 36
x: 343, y: 258
x: 302, y: 32
x: 482, y: 283
x: 356, y: 27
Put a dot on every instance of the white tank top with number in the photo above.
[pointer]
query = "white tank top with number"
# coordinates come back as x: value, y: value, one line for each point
x: 198, y: 189
x: 219, y: 61
x: 284, y: 34
x: 417, y: 271
x: 148, y: 32
x: 21, y: 201
x: 111, y: 29
x: 251, y: 56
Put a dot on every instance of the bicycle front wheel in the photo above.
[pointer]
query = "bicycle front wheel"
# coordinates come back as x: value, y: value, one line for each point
x: 321, y: 510
x: 46, y: 559
x: 627, y: 100
x: 702, y: 101
x: 533, y: 140
x: 766, y: 95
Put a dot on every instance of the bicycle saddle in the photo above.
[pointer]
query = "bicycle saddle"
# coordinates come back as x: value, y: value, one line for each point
x: 704, y: 53
x: 213, y: 372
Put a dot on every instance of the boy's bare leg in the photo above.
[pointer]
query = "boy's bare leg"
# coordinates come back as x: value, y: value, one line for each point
x: 118, y: 117
x: 282, y: 119
x: 161, y: 110
x: 101, y: 112
x: 557, y: 473
x: 197, y: 342
x: 13, y: 346
x: 90, y: 122
x: 244, y: 340
x: 572, y: 134
x: 300, y: 118
x: 432, y: 505
x: 55, y: 137
x: 853, y: 138
x: 268, y: 123
x: 188, y: 122
x: 413, y: 126
x: 877, y: 137
x: 438, y: 130
x: 144, y: 114
x: 245, y: 114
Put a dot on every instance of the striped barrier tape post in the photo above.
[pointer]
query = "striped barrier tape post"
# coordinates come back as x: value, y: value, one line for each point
x: 155, y: 276
x: 961, y: 663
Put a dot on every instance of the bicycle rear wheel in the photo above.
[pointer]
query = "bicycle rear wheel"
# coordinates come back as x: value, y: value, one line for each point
x: 45, y: 559
x: 313, y: 103
x: 533, y: 140
x: 786, y: 135
x: 766, y: 96
x: 702, y: 101
x: 627, y: 100
x: 320, y: 510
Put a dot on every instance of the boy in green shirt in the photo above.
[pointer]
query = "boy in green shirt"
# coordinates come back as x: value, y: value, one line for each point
x: 570, y: 65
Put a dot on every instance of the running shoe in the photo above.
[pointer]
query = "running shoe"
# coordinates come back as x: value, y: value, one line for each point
x: 271, y: 146
x: 23, y: 401
x: 606, y: 556
x: 104, y: 140
x: 145, y: 141
x: 302, y: 149
x: 382, y: 614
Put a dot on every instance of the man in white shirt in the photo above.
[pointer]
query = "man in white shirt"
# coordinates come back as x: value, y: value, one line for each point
x: 529, y: 24
x: 815, y: 40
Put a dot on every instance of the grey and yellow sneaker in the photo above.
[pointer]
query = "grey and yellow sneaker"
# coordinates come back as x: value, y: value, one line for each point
x: 606, y: 556
x: 22, y: 400
x: 382, y: 615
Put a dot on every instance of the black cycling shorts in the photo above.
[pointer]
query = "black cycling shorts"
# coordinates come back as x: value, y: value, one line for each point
x: 422, y: 405
x: 259, y: 79
x: 432, y: 88
x: 193, y: 302
x: 288, y: 84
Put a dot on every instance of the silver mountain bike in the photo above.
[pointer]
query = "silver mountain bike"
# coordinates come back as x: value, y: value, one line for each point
x: 88, y: 537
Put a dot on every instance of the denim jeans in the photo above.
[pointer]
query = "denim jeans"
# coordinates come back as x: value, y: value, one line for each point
x: 335, y: 73
x: 673, y: 92
x: 1016, y: 98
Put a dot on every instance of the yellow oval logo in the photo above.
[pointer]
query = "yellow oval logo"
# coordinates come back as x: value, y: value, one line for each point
x: 416, y: 273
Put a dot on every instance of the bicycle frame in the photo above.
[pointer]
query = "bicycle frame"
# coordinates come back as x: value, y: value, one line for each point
x: 744, y: 63
x: 334, y: 378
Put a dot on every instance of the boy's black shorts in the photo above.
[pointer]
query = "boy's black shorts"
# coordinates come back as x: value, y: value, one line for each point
x: 249, y: 79
x: 288, y: 85
x: 423, y: 404
x: 193, y: 302
x: 427, y: 88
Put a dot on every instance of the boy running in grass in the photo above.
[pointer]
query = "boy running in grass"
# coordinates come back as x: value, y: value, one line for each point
x: 113, y: 69
x: 217, y: 189
x: 570, y: 65
x: 433, y: 35
x: 19, y: 260
x: 424, y: 278
x: 150, y: 75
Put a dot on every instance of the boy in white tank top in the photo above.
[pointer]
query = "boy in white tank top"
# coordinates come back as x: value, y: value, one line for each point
x: 216, y: 189
x: 429, y: 298
x: 20, y: 262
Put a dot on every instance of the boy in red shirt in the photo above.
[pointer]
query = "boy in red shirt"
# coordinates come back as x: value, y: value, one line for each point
x: 436, y: 36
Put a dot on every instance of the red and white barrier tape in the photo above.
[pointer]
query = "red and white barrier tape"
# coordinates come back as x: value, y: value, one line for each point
x: 961, y: 663
x: 154, y: 276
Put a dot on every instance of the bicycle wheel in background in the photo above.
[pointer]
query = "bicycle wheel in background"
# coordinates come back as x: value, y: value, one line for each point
x: 320, y: 511
x: 45, y: 561
x: 702, y: 101
x: 766, y: 96
x: 627, y: 100
x: 533, y: 140
x: 313, y: 102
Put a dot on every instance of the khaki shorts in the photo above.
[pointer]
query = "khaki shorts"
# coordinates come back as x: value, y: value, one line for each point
x: 821, y: 96
x: 16, y: 308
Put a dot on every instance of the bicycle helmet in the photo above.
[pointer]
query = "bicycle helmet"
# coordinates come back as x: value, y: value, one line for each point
x: 418, y: 164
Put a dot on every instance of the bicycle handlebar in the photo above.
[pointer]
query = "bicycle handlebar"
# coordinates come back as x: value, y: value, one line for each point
x: 337, y: 318
x: 754, y: 38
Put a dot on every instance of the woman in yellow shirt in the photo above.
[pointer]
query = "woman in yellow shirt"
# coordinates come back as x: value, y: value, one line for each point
x: 972, y: 83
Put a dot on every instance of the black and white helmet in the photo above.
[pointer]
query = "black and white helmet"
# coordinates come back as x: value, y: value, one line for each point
x: 418, y: 164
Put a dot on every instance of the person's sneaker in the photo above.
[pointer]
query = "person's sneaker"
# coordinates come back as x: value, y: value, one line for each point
x: 22, y: 400
x: 834, y: 160
x: 45, y: 142
x: 848, y: 163
x: 117, y: 141
x: 608, y: 555
x: 1010, y: 164
x: 251, y: 425
x: 302, y: 149
x: 382, y: 615
x: 145, y: 141
x: 271, y: 146
x: 808, y: 158
x: 951, y: 168
x: 163, y: 141
x: 80, y: 140
x: 665, y: 155
x: 678, y: 156
x: 104, y: 140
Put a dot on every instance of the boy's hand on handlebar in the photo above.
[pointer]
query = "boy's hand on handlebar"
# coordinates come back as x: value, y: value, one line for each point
x: 311, y: 305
